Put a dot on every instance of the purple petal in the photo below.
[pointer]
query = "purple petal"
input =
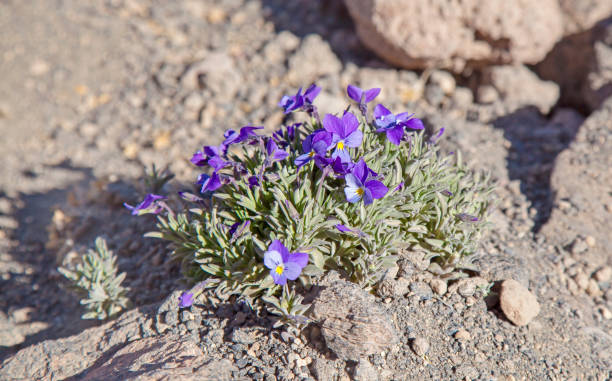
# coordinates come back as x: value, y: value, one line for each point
x: 186, y: 299
x: 467, y: 217
x: 351, y: 123
x: 280, y: 279
x: 354, y: 139
x: 307, y: 143
x: 342, y: 168
x: 342, y: 154
x: 280, y: 155
x: 333, y: 124
x: 312, y: 92
x: 371, y: 94
x: 434, y: 139
x: 322, y: 161
x: 354, y: 93
x: 343, y: 228
x: 277, y: 245
x: 361, y: 171
x: 272, y: 259
x: 198, y: 159
x: 292, y: 270
x: 300, y: 259
x: 377, y: 188
x: 217, y: 163
x: 351, y: 193
x: 400, y: 186
x: 395, y: 135
x: 271, y: 147
x: 253, y: 181
x: 414, y: 124
x: 367, y: 197
x: 212, y: 183
x: 213, y: 151
x: 380, y: 111
x: 352, y: 181
x: 403, y: 117
x: 302, y: 160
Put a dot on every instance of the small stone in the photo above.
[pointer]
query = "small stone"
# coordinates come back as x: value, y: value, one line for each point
x: 487, y: 94
x: 216, y: 15
x: 604, y: 274
x: 420, y: 346
x: 162, y: 140
x: 438, y: 286
x: 39, y: 67
x: 579, y: 246
x: 462, y: 334
x: 582, y: 280
x: 593, y: 288
x: 518, y: 304
x: 444, y: 80
x: 467, y: 287
x: 365, y: 371
x: 590, y: 241
x: 605, y: 312
x: 462, y: 97
x: 422, y: 290
x: 186, y: 315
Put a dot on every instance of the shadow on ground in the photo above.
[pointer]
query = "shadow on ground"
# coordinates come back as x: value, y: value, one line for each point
x: 536, y: 143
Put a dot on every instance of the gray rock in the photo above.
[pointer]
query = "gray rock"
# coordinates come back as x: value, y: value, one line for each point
x: 520, y: 87
x: 465, y: 33
x: 518, y: 304
x: 324, y: 369
x: 161, y: 358
x: 352, y: 323
x: 364, y: 371
x: 312, y: 60
x: 420, y: 346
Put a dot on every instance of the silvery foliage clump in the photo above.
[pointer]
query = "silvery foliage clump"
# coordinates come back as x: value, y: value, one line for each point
x: 97, y: 281
x: 257, y: 195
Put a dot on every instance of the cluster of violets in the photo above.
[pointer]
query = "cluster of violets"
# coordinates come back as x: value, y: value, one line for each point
x: 328, y: 147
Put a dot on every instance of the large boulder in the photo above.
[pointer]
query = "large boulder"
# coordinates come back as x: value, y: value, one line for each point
x: 582, y: 65
x: 448, y: 34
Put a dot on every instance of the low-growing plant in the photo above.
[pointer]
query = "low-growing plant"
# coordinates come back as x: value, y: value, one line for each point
x: 344, y: 193
x: 96, y: 279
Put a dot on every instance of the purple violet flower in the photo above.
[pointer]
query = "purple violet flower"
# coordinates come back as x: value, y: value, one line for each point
x: 274, y: 153
x: 342, y: 168
x: 233, y: 137
x: 209, y: 183
x: 362, y: 96
x: 311, y: 93
x: 345, y: 134
x: 291, y: 103
x: 295, y: 102
x: 186, y: 299
x: 345, y: 229
x: 253, y: 181
x: 208, y: 153
x: 434, y: 139
x: 359, y: 187
x: 313, y: 145
x: 150, y: 204
x: 467, y: 217
x: 284, y: 265
x: 400, y: 186
x: 394, y: 125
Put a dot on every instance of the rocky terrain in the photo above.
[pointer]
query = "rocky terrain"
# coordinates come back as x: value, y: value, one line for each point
x: 93, y: 92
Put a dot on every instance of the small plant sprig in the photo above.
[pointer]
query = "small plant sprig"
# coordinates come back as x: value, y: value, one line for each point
x: 97, y: 281
x: 342, y: 193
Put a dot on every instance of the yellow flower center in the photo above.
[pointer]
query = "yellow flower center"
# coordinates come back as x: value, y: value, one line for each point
x: 279, y: 269
x: 359, y: 191
x: 340, y: 144
x: 311, y: 153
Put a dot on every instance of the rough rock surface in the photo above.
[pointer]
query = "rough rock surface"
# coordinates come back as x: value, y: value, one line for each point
x: 161, y: 358
x: 581, y: 64
x: 70, y: 356
x: 581, y: 182
x: 518, y: 304
x: 448, y: 34
x: 352, y: 324
x: 582, y: 15
x: 518, y: 87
